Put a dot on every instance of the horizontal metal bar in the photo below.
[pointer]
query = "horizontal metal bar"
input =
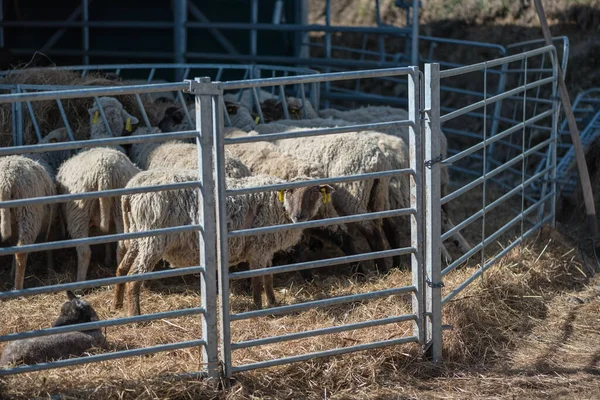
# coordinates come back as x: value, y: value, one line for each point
x: 91, y: 92
x: 47, y: 147
x: 323, y: 222
x: 169, y: 273
x: 494, y: 63
x: 330, y: 77
x: 103, y: 357
x: 494, y: 204
x: 102, y: 324
x: 326, y: 353
x: 322, y: 263
x: 497, y: 137
x: 496, y: 98
x: 316, y: 132
x: 99, y: 194
x: 28, y: 248
x: 323, y: 331
x: 322, y: 303
x: 494, y: 172
x: 491, y: 262
x: 88, y: 24
x: 319, y: 181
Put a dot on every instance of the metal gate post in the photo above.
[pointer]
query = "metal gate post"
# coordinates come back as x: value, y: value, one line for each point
x: 416, y: 199
x: 433, y: 284
x: 205, y: 105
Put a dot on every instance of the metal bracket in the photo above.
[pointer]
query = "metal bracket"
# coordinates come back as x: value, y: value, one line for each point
x: 438, y: 285
x: 204, y: 86
x: 429, y: 163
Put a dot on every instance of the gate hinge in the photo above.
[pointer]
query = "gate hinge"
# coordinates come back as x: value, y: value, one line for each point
x: 429, y: 163
x: 437, y: 285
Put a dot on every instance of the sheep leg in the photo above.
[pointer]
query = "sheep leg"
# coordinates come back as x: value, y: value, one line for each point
x: 21, y: 263
x: 377, y: 241
x: 84, y: 254
x: 268, y: 282
x: 123, y: 269
x: 144, y: 262
x: 257, y: 289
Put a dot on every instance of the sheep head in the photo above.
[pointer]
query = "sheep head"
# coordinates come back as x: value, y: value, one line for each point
x: 75, y: 311
x: 302, y: 204
x: 118, y: 118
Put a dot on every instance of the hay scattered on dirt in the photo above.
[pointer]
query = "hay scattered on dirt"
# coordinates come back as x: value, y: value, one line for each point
x: 489, y: 319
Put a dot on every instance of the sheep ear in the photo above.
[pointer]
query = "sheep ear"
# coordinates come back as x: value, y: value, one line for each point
x: 133, y: 120
x: 327, y: 188
x: 71, y: 295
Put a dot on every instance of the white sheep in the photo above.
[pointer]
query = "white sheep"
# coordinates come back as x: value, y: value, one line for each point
x: 178, y: 155
x: 118, y: 119
x: 341, y: 155
x: 164, y: 209
x: 93, y: 170
x: 61, y: 345
x: 393, y: 143
x: 20, y: 178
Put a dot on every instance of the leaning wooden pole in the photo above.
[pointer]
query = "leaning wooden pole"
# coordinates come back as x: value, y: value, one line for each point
x: 584, y: 176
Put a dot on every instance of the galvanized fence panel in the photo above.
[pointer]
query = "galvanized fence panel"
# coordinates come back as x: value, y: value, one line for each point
x: 229, y: 316
x: 510, y: 210
x: 206, y: 309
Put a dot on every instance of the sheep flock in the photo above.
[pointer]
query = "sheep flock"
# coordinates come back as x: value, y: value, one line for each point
x: 257, y: 163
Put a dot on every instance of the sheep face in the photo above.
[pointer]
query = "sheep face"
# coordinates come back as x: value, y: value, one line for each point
x: 273, y: 109
x: 75, y: 311
x: 302, y: 204
x: 118, y: 119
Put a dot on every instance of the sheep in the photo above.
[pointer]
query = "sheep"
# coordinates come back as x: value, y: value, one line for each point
x: 239, y: 116
x: 61, y: 345
x: 93, y: 170
x: 266, y: 158
x: 271, y: 106
x: 117, y: 117
x: 148, y: 211
x: 392, y: 142
x: 178, y: 155
x: 53, y: 159
x: 20, y: 178
x: 345, y: 154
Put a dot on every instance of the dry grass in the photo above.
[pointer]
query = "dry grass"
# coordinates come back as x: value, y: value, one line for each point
x: 503, y: 325
x: 47, y: 113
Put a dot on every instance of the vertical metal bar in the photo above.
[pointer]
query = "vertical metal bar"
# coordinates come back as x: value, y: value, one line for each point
x: 484, y: 185
x: 13, y: 116
x: 524, y: 160
x: 103, y: 115
x: 184, y: 105
x: 286, y: 113
x: 66, y: 120
x: 253, y: 32
x: 205, y: 110
x: 327, y: 84
x: 433, y: 302
x: 179, y: 35
x: 415, y: 34
x: 138, y: 99
x: 303, y: 95
x: 1, y: 26
x: 36, y: 127
x: 86, y: 32
x: 18, y: 115
x: 416, y: 200
x: 497, y: 114
x: 222, y: 241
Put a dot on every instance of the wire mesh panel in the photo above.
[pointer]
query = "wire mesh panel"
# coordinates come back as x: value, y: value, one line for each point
x: 125, y: 336
x: 496, y: 209
x: 255, y: 337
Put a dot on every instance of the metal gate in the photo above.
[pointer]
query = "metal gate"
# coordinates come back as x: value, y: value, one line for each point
x: 221, y: 321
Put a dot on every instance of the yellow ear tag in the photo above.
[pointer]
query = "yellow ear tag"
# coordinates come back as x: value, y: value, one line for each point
x: 257, y: 120
x: 95, y: 119
x: 128, y: 125
x: 326, y: 196
x: 280, y: 195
